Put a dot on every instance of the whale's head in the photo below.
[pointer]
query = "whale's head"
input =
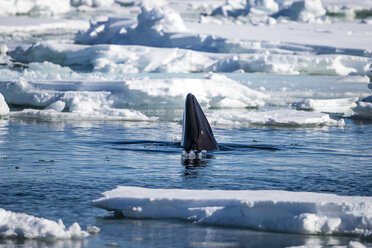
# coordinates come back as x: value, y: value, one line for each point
x: 197, y: 133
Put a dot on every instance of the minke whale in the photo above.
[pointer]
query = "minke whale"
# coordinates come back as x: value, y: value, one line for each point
x: 197, y: 134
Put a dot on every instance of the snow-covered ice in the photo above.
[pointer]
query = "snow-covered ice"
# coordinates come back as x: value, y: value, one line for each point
x: 127, y: 99
x: 212, y: 38
x: 363, y: 108
x: 134, y: 59
x: 22, y: 28
x: 341, y: 105
x: 298, y: 212
x: 296, y: 10
x: 21, y: 225
x: 155, y: 24
x: 288, y: 48
x: 122, y: 100
x: 214, y: 90
x: 305, y: 10
x: 282, y: 117
x: 344, y: 37
x: 107, y: 114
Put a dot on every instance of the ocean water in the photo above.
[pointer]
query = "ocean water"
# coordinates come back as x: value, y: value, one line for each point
x: 55, y: 169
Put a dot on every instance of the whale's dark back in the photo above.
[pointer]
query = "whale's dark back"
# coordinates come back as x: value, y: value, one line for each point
x: 197, y: 133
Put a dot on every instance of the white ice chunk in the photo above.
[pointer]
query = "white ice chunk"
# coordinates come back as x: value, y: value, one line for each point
x: 134, y: 59
x: 355, y: 244
x: 159, y: 16
x: 20, y: 225
x: 214, y: 90
x: 82, y: 104
x: 280, y: 117
x: 363, y: 110
x: 4, y: 109
x: 298, y: 212
x: 93, y: 229
x: 155, y: 24
x: 51, y: 115
x: 342, y: 105
x: 22, y: 92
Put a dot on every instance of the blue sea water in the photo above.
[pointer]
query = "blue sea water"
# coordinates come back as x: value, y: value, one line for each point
x: 55, y: 170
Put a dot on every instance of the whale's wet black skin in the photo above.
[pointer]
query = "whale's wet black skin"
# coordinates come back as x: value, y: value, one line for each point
x: 197, y: 133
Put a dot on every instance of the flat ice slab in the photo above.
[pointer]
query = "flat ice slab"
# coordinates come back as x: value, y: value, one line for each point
x: 299, y: 212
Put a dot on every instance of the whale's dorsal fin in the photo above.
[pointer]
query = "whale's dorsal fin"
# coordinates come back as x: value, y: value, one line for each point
x: 197, y: 133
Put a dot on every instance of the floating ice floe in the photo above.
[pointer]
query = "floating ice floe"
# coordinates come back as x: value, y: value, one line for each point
x: 118, y: 100
x: 20, y: 225
x: 214, y: 90
x: 134, y: 59
x: 341, y: 106
x: 295, y: 64
x: 363, y: 108
x: 282, y: 211
x: 87, y: 105
x: 24, y: 28
x: 104, y: 114
x: 280, y: 117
